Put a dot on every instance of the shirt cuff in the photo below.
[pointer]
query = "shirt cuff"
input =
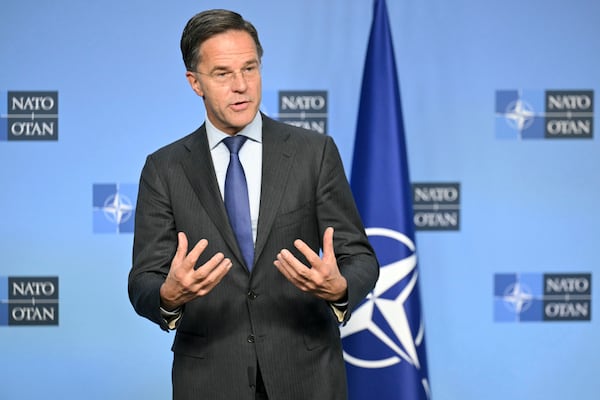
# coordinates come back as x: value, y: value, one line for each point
x: 171, y: 318
x: 340, y: 310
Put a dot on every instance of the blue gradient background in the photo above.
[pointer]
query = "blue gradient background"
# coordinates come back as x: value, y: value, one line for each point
x: 527, y: 206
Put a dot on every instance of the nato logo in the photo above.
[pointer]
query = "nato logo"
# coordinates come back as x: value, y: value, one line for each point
x: 538, y: 114
x: 535, y: 297
x: 306, y: 109
x: 30, y: 116
x: 28, y: 301
x: 114, y: 207
x: 386, y: 334
x: 436, y: 206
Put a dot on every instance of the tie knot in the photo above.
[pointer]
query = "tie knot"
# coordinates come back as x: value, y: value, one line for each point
x: 234, y: 143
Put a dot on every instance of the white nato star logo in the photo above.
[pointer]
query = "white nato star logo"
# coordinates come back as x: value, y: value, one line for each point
x: 117, y: 208
x: 519, y: 115
x: 517, y: 297
x: 392, y: 310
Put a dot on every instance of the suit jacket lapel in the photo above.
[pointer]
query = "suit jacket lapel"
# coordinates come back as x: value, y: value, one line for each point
x: 197, y: 164
x: 277, y: 161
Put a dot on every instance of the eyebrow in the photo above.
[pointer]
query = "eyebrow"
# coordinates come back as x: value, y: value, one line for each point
x: 246, y: 64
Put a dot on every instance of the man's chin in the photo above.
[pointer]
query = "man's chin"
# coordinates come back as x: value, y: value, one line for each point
x: 240, y: 120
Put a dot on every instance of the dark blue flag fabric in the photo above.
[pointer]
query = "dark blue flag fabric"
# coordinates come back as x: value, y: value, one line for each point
x: 384, y: 341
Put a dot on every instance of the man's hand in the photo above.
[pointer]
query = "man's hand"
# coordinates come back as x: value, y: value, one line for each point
x: 184, y: 283
x: 323, y: 279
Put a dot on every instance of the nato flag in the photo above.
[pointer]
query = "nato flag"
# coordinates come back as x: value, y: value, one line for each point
x: 384, y: 341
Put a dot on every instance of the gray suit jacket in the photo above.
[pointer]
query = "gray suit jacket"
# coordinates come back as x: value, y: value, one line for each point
x: 256, y: 318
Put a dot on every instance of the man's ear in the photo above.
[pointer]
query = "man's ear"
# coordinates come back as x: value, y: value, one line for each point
x: 194, y: 83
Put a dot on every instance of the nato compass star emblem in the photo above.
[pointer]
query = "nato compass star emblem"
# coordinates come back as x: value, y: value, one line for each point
x: 518, y: 297
x: 516, y: 115
x: 386, y: 327
x: 519, y: 114
x: 117, y: 208
x: 113, y: 208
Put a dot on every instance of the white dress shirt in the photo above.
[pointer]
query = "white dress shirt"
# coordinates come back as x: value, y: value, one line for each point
x: 250, y: 156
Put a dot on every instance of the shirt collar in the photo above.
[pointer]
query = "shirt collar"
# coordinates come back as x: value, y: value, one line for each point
x: 252, y: 131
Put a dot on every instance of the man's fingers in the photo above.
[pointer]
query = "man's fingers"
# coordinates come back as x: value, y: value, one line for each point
x: 198, y: 249
x: 293, y: 269
x: 182, y: 245
x: 328, y: 244
x: 211, y: 264
x: 211, y: 273
x: 312, y: 257
x: 323, y: 279
x: 291, y: 274
x: 186, y: 282
x: 290, y: 262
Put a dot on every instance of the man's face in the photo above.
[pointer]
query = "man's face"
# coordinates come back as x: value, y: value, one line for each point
x: 228, y: 79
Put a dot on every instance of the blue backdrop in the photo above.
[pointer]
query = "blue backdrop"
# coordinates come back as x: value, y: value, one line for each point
x: 527, y: 206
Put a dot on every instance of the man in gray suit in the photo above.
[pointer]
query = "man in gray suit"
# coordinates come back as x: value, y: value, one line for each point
x: 263, y: 324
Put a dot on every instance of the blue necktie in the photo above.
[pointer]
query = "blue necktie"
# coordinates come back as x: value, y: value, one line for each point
x: 236, y: 199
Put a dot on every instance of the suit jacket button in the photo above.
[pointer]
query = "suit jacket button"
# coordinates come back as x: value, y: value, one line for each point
x: 251, y: 295
x: 250, y: 338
